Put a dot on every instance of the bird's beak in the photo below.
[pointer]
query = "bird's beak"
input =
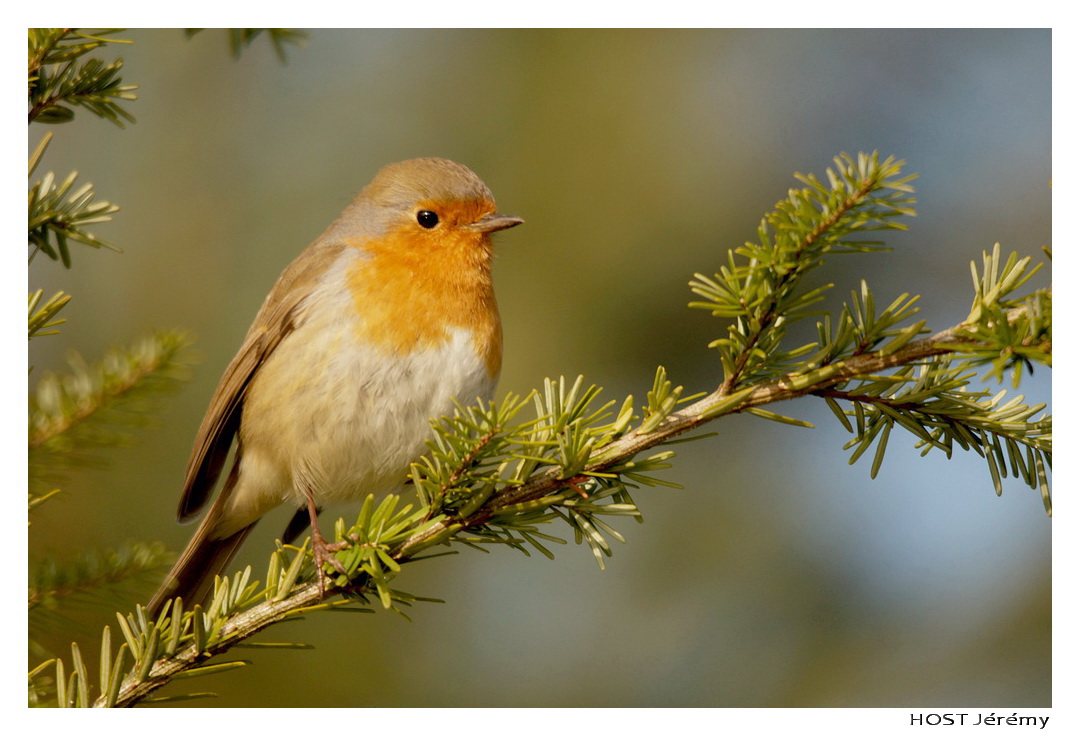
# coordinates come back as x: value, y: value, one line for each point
x: 491, y: 223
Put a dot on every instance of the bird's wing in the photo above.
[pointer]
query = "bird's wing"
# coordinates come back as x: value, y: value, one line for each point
x: 281, y: 313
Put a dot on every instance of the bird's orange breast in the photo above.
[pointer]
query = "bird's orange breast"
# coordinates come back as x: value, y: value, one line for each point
x: 414, y: 287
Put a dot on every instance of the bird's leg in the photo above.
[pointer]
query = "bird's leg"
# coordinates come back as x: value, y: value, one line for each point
x: 320, y: 548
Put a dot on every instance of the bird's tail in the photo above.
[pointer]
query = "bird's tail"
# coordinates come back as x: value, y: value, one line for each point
x: 192, y: 577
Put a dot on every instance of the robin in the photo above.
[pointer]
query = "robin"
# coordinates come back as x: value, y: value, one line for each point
x: 376, y: 327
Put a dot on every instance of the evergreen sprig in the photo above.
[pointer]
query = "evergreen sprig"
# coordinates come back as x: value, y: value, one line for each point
x: 1008, y: 333
x: 480, y: 450
x: 860, y: 329
x: 41, y: 319
x: 59, y: 588
x: 933, y: 401
x: 496, y: 476
x: 241, y: 38
x: 761, y: 287
x: 59, y: 79
x: 58, y: 212
x: 53, y: 580
x: 95, y: 406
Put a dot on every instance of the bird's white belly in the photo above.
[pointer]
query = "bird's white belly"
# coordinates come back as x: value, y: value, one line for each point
x: 343, y: 419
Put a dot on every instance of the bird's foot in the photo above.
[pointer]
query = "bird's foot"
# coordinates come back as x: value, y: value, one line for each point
x: 572, y: 484
x: 323, y: 552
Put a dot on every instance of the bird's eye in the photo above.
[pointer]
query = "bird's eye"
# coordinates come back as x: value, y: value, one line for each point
x: 427, y: 219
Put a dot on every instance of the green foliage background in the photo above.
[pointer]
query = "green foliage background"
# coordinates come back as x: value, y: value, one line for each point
x: 780, y: 576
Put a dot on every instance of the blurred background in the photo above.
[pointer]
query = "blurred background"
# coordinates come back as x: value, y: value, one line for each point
x: 780, y: 575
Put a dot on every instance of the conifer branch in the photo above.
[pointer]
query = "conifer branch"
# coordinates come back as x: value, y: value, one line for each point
x: 58, y: 81
x: 91, y: 572
x: 58, y: 212
x: 554, y: 488
x: 491, y: 478
x: 41, y: 319
x: 241, y: 38
x: 62, y: 401
x: 95, y: 406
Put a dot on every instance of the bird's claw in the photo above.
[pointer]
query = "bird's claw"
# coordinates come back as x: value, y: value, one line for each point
x: 323, y: 552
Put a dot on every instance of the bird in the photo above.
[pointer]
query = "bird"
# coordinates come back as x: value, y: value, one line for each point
x: 377, y: 327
